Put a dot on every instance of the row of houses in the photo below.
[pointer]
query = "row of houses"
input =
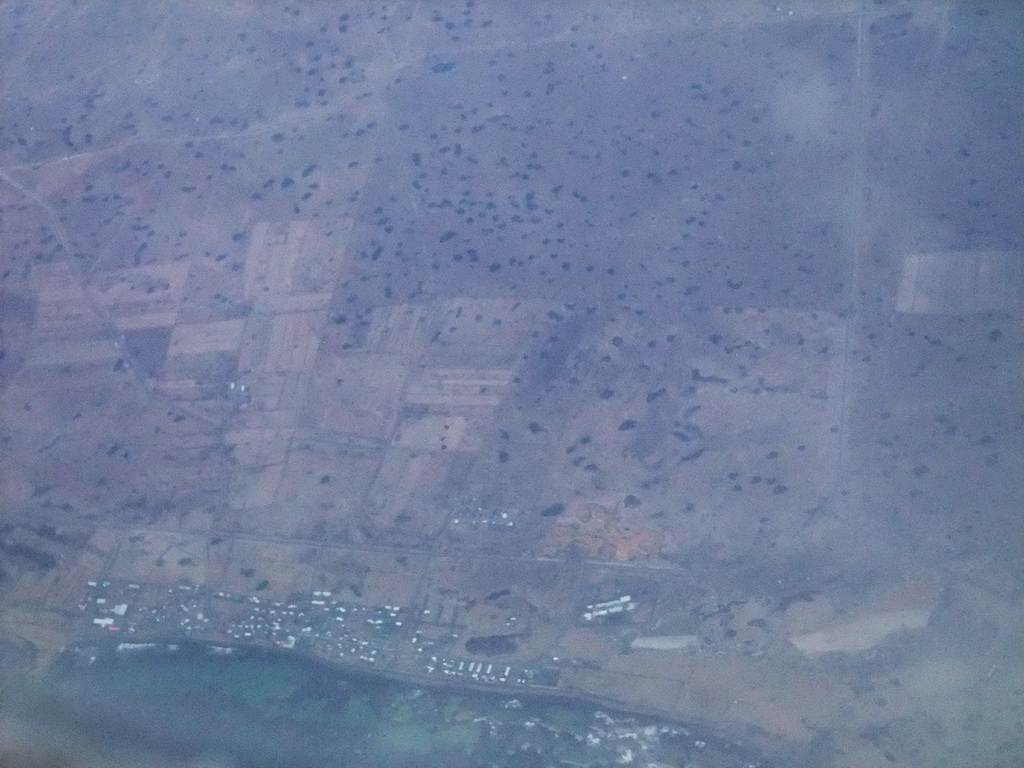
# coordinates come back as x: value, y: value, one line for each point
x: 609, y: 608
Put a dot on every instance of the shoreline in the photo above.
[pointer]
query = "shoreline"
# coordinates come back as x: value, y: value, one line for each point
x: 169, y: 647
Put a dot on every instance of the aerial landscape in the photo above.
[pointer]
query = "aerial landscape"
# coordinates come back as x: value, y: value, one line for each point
x: 661, y: 358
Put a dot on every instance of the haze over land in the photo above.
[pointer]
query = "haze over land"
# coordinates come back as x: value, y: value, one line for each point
x: 664, y: 353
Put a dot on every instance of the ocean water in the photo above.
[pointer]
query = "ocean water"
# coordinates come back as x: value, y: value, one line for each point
x: 190, y: 704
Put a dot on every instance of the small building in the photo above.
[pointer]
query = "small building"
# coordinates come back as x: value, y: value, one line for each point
x: 546, y: 677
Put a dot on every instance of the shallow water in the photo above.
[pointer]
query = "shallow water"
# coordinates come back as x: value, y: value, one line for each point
x: 245, y: 708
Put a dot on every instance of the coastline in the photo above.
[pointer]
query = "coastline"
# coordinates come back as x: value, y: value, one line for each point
x: 113, y: 651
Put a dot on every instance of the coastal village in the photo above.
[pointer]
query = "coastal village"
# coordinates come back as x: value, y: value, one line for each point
x: 316, y: 623
x: 352, y: 635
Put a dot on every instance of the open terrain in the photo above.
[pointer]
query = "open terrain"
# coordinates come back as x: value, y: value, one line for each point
x: 665, y: 353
